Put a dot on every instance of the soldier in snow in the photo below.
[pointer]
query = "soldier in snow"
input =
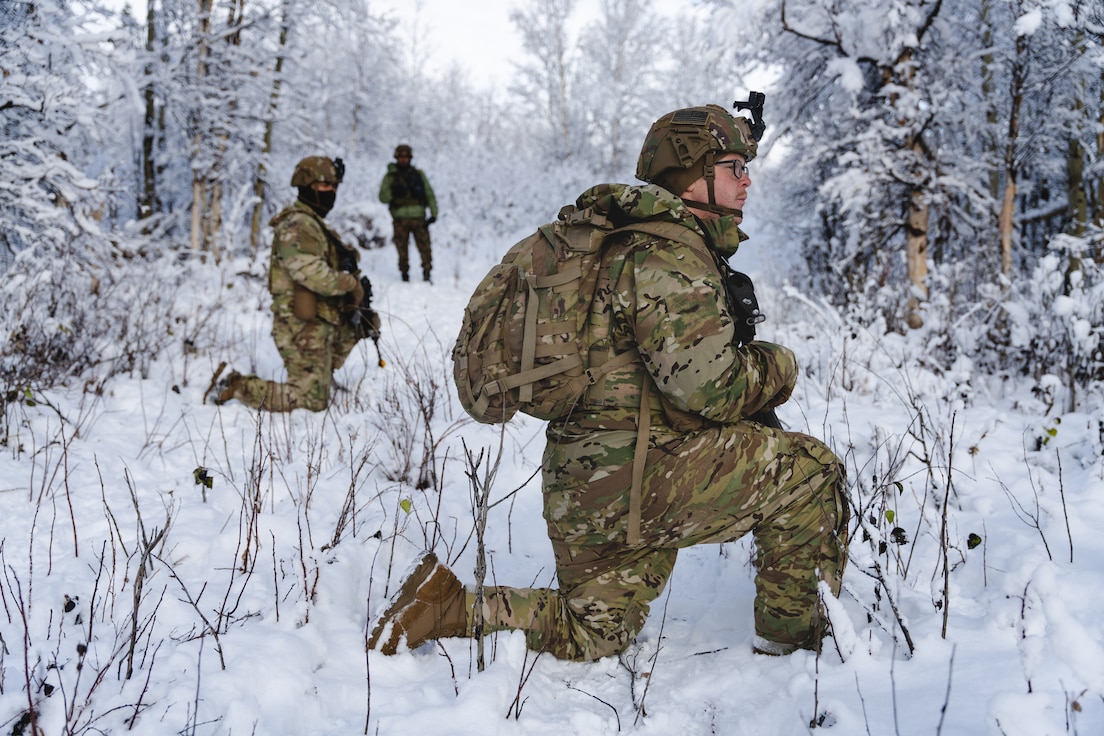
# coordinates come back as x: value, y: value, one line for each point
x: 711, y: 473
x: 315, y: 287
x: 407, y: 193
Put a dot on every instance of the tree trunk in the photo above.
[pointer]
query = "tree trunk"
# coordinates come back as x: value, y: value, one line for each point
x: 918, y: 211
x: 148, y: 203
x: 988, y: 92
x: 213, y: 225
x: 916, y: 254
x: 1075, y: 188
x: 1006, y: 222
x: 1098, y: 201
x: 200, y: 181
x: 262, y: 170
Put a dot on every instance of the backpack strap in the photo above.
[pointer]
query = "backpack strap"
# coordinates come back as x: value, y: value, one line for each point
x: 666, y: 230
x: 640, y: 460
x: 691, y: 239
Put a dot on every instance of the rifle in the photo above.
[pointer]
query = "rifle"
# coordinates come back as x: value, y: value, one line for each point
x: 363, y: 319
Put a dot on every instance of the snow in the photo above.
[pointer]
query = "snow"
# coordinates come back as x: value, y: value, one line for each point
x: 1030, y: 22
x: 266, y: 558
x: 849, y: 73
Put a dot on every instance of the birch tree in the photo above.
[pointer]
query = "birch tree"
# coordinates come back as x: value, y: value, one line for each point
x: 546, y: 79
x: 620, y: 57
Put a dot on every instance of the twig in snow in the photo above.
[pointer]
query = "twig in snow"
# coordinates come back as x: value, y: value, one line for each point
x: 584, y: 692
x: 1065, y: 509
x: 947, y: 697
x: 640, y: 712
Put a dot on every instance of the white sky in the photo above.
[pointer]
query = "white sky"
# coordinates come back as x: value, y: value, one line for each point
x: 476, y: 33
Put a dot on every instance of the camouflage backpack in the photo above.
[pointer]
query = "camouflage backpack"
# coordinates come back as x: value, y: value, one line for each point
x: 521, y: 345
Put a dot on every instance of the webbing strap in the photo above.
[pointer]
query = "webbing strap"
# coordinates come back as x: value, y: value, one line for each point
x: 667, y: 230
x: 640, y: 459
x: 618, y: 361
x: 529, y: 339
x: 532, y: 375
x: 571, y: 272
x: 527, y: 378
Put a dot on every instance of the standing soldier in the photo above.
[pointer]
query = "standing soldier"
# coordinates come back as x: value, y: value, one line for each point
x: 407, y: 193
x: 680, y: 408
x: 315, y: 286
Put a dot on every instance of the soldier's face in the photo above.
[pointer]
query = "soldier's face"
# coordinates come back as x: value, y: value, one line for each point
x: 729, y: 190
x: 402, y: 161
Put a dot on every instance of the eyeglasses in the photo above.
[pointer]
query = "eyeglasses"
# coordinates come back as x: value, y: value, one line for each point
x: 739, y: 168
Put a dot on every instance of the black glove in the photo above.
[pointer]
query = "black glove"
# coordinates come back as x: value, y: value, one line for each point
x: 431, y: 220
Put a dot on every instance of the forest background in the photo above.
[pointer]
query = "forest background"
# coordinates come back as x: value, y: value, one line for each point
x: 929, y: 200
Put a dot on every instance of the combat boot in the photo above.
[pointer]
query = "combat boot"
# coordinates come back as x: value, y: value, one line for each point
x: 222, y: 388
x: 431, y: 604
x: 425, y: 274
x: 405, y: 276
x: 772, y: 648
x: 780, y: 646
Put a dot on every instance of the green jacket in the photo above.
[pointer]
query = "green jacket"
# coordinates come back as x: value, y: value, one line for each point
x: 305, y: 252
x: 407, y: 193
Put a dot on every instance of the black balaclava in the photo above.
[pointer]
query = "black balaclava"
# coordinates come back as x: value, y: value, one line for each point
x: 320, y: 202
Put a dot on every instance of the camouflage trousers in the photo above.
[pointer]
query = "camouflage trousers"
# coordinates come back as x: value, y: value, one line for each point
x: 709, y: 486
x: 311, y: 350
x: 416, y: 226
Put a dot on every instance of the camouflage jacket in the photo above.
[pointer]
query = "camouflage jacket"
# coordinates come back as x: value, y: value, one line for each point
x: 305, y: 252
x: 407, y: 193
x: 667, y: 300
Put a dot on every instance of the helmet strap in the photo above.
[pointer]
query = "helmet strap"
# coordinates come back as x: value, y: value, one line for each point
x: 714, y: 208
x: 709, y: 173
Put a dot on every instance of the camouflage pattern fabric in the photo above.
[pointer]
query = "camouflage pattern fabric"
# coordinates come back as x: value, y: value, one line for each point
x: 404, y: 228
x: 315, y: 169
x: 711, y: 475
x: 675, y: 149
x: 311, y: 350
x: 304, y: 252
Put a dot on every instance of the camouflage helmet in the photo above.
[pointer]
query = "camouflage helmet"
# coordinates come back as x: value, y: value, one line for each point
x: 404, y: 150
x: 677, y: 148
x: 314, y: 170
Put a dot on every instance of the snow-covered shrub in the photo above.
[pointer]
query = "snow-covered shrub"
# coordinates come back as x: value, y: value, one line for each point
x: 1051, y: 323
x: 88, y: 311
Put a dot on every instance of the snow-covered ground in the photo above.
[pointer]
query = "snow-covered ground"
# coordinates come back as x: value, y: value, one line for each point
x: 136, y: 597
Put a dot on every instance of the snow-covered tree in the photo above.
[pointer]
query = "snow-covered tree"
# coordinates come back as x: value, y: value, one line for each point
x: 546, y: 79
x: 49, y: 132
x: 619, y: 81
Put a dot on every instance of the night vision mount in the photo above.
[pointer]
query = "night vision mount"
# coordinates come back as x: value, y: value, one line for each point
x: 754, y: 102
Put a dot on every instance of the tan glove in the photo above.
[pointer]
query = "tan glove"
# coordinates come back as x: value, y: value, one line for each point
x: 358, y: 294
x: 780, y: 368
